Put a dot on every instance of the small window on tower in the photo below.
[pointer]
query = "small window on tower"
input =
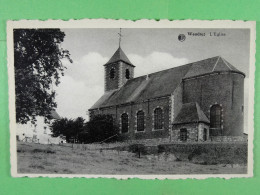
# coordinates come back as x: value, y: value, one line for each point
x: 127, y: 74
x: 112, y: 73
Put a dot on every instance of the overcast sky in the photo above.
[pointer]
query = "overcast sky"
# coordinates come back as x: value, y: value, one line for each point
x: 149, y: 50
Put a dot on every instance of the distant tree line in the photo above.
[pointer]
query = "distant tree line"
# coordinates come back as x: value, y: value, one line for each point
x: 99, y: 128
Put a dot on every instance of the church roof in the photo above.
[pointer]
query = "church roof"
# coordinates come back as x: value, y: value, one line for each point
x: 150, y: 86
x: 161, y: 83
x: 119, y: 55
x: 189, y: 113
x: 55, y: 115
x: 210, y: 65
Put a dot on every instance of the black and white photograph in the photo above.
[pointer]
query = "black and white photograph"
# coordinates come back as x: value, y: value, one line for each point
x: 123, y: 99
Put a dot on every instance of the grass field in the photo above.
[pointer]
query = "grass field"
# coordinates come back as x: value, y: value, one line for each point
x: 37, y: 158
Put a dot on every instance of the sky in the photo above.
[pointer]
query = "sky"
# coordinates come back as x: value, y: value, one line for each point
x: 150, y: 50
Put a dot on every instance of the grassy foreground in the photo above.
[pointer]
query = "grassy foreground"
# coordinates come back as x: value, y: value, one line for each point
x: 37, y: 158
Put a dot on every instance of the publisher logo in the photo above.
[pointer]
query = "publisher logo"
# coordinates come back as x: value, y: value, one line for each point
x: 181, y: 37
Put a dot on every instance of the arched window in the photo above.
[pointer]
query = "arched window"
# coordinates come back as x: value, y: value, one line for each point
x: 140, y: 120
x: 127, y: 74
x: 158, y: 119
x: 112, y: 73
x: 183, y: 134
x: 205, y: 134
x: 215, y: 116
x: 124, y: 120
x: 215, y: 120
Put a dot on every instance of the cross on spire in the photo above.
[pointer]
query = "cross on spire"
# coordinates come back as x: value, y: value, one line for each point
x: 120, y: 35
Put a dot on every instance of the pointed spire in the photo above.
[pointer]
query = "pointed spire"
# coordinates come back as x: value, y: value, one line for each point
x: 119, y: 55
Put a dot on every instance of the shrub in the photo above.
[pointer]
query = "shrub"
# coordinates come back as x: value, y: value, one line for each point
x: 50, y: 152
x: 70, y: 128
x: 138, y: 149
x: 195, y: 152
x: 43, y: 151
x: 161, y: 148
x: 38, y: 150
x: 100, y: 128
x: 210, y: 154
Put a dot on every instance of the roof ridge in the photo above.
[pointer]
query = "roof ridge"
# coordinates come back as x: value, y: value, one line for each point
x: 224, y: 60
x: 201, y: 114
x: 110, y: 91
x: 215, y: 64
x: 161, y: 71
x: 174, y: 67
x: 197, y: 110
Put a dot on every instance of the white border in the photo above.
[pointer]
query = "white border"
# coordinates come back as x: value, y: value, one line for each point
x: 109, y: 23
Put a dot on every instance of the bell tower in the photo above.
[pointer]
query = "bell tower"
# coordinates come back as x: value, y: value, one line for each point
x: 118, y: 70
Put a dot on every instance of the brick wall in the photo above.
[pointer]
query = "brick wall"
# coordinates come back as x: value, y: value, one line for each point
x: 119, y: 79
x: 177, y: 100
x: 123, y: 67
x: 192, y: 132
x: 201, y: 128
x: 131, y: 109
x: 226, y: 89
x: 110, y: 83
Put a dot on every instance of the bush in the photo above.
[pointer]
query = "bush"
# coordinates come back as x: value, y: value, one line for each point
x: 195, y: 152
x: 37, y: 150
x: 138, y: 149
x: 210, y: 154
x: 98, y: 129
x: 43, y: 151
x: 101, y: 128
x: 161, y: 148
x: 70, y: 128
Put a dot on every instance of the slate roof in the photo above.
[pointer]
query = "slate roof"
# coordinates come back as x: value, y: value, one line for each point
x: 161, y: 83
x: 119, y: 55
x: 190, y: 113
x: 210, y: 65
x: 55, y: 115
x: 150, y: 86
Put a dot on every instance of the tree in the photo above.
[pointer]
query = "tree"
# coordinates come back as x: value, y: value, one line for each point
x: 59, y: 127
x: 37, y: 61
x: 101, y: 127
x: 69, y: 128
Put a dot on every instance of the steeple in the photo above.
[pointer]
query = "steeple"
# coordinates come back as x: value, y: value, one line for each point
x: 119, y: 55
x: 118, y: 70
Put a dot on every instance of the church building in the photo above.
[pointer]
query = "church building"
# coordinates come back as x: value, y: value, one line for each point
x: 193, y: 102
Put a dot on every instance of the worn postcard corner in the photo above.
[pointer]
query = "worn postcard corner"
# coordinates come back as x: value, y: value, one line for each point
x: 122, y: 99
